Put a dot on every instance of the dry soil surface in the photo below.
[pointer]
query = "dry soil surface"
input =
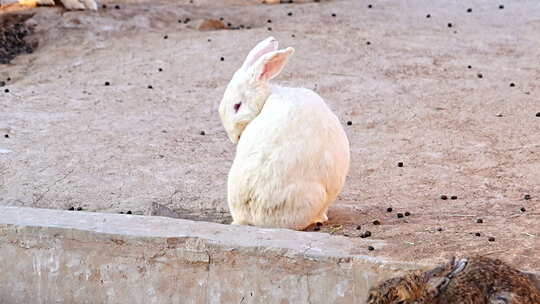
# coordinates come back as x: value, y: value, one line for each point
x: 453, y: 97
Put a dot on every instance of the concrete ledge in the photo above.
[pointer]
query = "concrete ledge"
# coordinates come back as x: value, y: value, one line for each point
x: 53, y: 256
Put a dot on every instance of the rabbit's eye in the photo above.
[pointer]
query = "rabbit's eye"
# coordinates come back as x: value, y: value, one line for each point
x: 237, y: 107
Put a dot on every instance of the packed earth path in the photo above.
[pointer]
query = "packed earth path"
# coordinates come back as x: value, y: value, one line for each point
x: 116, y: 110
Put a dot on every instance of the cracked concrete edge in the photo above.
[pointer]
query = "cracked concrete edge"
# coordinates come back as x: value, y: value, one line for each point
x: 112, y: 258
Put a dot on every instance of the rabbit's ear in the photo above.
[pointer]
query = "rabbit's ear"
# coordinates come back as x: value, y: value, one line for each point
x: 271, y: 64
x: 266, y: 46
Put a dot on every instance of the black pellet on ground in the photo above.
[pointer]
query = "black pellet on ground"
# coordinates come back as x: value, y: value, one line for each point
x: 107, y: 83
x: 79, y: 209
x: 428, y: 16
x: 400, y: 215
x: 469, y: 66
x: 318, y: 224
x: 166, y: 37
x: 439, y: 229
x: 444, y: 197
x: 407, y: 213
x: 349, y: 123
x: 400, y: 164
x: 6, y: 90
x: 501, y: 6
x: 491, y: 239
x: 150, y: 87
x: 369, y: 6
x: 368, y: 43
x: 160, y: 70
x: 449, y: 24
x: 479, y: 221
x: 222, y: 58
x: 269, y: 20
x: 453, y: 197
x: 293, y: 35
x: 527, y: 196
x: 187, y: 20
x: 221, y: 18
x: 117, y: 6
x: 129, y: 212
x: 229, y: 24
x: 358, y: 227
x: 333, y: 15
x: 512, y: 84
x: 366, y: 234
x: 289, y: 14
x: 376, y: 222
x: 6, y: 135
x: 522, y: 209
x: 269, y: 28
x: 389, y: 209
x: 202, y: 133
x: 316, y: 228
x: 2, y: 83
x: 209, y: 40
x: 480, y: 75
x: 121, y: 212
x: 477, y: 234
x: 370, y: 248
x: 469, y: 10
x: 179, y: 20
x: 538, y: 114
x: 104, y: 6
x: 8, y: 79
x: 71, y: 208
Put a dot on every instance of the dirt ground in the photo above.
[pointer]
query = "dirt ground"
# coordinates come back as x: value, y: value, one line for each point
x: 409, y: 84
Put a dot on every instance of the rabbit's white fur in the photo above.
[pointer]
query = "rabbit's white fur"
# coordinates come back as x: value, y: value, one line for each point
x: 68, y: 4
x: 292, y: 155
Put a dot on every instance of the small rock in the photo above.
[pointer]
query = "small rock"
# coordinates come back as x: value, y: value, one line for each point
x: 210, y: 25
x: 538, y: 114
x: 160, y: 70
x: 166, y: 37
x: 6, y: 91
x: 366, y: 234
x: 369, y: 6
x: 150, y: 87
x: 269, y: 28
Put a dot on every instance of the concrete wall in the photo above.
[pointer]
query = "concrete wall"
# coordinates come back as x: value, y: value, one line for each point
x: 52, y: 256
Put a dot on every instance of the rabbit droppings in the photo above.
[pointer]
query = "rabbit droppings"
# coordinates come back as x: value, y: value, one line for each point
x: 477, y: 280
x: 292, y: 154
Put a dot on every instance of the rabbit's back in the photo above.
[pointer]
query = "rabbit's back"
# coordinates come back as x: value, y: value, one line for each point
x: 292, y: 158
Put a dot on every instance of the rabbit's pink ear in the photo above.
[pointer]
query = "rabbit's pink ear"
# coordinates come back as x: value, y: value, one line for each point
x: 271, y: 64
x: 266, y: 46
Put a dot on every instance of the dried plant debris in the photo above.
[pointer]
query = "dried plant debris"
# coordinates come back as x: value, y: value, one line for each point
x: 14, y: 32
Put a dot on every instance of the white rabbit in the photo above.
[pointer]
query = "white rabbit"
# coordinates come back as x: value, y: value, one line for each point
x: 292, y: 155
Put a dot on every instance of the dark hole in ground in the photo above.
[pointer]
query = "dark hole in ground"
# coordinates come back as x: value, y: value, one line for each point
x: 14, y: 34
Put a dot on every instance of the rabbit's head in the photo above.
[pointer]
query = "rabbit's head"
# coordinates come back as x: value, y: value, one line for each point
x: 248, y: 90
